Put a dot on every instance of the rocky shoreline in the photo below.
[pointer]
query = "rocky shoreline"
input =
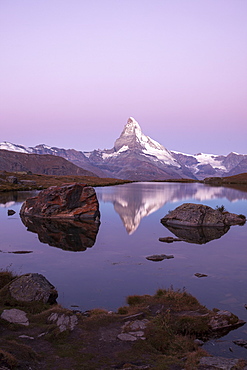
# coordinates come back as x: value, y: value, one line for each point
x: 164, y: 331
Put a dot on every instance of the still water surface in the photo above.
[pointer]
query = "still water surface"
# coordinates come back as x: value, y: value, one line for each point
x: 99, y: 267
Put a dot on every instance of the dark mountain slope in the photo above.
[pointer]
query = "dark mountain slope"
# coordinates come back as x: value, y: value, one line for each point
x: 39, y: 164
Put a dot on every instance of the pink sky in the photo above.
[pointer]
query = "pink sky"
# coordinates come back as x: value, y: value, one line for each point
x: 73, y: 71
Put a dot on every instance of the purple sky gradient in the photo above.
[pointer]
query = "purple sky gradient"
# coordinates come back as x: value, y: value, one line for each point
x: 73, y: 71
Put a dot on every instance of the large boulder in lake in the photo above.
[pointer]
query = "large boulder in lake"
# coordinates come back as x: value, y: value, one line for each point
x: 198, y: 215
x: 69, y: 201
x: 32, y: 287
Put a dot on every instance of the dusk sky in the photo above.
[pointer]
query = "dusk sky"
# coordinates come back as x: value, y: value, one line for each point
x: 73, y: 71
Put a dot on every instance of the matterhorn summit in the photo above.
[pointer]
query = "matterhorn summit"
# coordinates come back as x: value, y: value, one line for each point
x: 132, y: 127
x: 136, y: 156
x: 132, y: 138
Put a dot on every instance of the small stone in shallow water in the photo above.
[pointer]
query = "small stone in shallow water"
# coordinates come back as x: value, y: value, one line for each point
x: 159, y: 257
x: 198, y: 274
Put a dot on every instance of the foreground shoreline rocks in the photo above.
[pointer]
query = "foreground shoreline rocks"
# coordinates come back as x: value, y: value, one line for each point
x: 169, y: 326
x: 69, y: 201
x: 32, y: 288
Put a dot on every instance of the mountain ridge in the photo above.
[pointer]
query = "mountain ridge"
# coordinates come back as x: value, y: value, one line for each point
x: 136, y: 156
x: 39, y: 164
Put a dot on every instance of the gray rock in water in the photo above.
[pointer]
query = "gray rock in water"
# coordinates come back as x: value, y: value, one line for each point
x: 190, y: 214
x: 224, y: 319
x: 15, y: 316
x: 32, y: 287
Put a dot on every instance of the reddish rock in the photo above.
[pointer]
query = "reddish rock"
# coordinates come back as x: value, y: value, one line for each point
x: 69, y: 201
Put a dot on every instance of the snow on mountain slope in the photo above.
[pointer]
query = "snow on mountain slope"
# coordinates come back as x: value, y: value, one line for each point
x: 13, y: 147
x: 136, y: 156
x: 132, y: 138
x: 198, y: 161
x: 209, y: 159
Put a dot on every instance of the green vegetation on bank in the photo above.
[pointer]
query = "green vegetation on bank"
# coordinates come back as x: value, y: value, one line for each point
x: 240, y: 179
x: 30, y: 181
x: 172, y: 320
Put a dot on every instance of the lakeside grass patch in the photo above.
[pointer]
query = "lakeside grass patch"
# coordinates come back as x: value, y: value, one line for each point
x: 173, y: 319
x: 45, y: 181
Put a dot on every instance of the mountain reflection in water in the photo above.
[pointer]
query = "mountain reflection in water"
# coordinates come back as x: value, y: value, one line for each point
x: 68, y: 235
x: 134, y: 201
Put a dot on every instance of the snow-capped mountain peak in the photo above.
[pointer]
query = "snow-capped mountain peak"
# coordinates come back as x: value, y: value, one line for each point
x: 132, y: 138
x: 132, y: 128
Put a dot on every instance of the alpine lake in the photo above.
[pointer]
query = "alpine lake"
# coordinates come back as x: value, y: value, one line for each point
x: 98, y: 266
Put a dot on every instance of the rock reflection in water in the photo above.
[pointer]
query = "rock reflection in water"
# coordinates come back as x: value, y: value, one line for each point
x: 135, y: 201
x: 68, y: 235
x: 198, y: 235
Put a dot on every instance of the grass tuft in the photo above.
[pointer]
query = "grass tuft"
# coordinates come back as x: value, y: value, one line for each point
x: 221, y: 209
x: 6, y: 277
x: 7, y: 360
